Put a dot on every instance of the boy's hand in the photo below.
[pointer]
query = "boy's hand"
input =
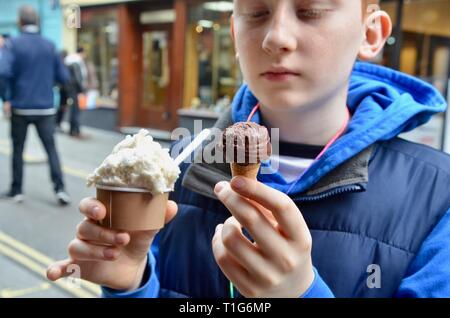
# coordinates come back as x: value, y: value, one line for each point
x: 107, y: 257
x: 278, y: 263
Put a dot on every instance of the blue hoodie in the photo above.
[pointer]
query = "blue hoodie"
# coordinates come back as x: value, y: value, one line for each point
x: 383, y: 103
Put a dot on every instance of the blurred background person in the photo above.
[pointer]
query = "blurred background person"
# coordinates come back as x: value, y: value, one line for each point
x: 78, y: 84
x: 62, y: 97
x: 34, y: 67
x: 5, y: 71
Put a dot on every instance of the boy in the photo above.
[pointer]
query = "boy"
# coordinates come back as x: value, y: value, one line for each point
x: 367, y: 219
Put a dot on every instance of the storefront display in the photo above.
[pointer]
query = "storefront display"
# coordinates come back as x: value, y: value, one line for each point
x: 422, y: 40
x: 99, y: 37
x: 212, y: 73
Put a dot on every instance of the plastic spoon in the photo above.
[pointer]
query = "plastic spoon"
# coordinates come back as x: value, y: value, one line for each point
x: 192, y: 146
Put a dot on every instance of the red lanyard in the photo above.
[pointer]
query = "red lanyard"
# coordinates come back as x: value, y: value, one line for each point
x: 333, y: 139
x: 254, y: 110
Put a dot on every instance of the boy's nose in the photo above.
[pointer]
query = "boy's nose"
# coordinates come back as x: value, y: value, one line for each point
x: 280, y: 38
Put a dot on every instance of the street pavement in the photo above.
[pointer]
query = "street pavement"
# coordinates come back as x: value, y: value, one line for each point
x: 36, y: 232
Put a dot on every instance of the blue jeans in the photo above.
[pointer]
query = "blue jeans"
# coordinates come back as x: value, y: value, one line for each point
x: 45, y: 126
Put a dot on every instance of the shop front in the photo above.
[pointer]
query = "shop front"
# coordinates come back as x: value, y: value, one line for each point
x: 131, y: 45
x: 420, y: 46
x: 155, y: 58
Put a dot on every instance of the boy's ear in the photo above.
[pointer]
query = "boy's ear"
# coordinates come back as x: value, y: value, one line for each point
x: 232, y: 27
x: 378, y: 28
x: 232, y: 34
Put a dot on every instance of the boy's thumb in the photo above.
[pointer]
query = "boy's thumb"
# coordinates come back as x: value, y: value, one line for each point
x: 171, y: 211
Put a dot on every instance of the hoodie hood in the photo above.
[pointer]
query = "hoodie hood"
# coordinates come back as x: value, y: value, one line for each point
x: 384, y: 103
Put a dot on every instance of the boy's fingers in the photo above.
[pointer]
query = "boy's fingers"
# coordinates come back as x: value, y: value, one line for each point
x: 83, y: 251
x: 268, y: 238
x: 58, y: 270
x: 92, y: 209
x: 229, y: 266
x: 95, y: 210
x: 90, y: 231
x: 243, y: 250
x: 283, y: 209
x: 171, y: 211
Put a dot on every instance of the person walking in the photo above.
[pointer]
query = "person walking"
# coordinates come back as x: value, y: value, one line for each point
x: 62, y: 98
x: 4, y: 69
x: 77, y: 85
x: 34, y: 67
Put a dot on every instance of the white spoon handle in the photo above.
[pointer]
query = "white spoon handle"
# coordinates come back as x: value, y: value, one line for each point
x: 192, y: 146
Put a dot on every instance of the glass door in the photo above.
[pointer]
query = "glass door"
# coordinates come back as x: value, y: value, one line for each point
x: 155, y: 109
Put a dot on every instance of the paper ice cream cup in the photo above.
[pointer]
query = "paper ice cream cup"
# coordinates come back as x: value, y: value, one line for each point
x: 132, y: 209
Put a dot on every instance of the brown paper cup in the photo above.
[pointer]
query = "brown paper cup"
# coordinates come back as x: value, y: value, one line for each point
x: 132, y: 209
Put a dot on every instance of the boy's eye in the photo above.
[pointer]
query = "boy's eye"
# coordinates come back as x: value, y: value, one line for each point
x: 258, y: 14
x: 310, y: 13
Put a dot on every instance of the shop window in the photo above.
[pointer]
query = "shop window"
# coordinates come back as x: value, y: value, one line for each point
x: 212, y: 73
x: 156, y: 69
x: 424, y: 40
x: 422, y: 46
x: 98, y: 37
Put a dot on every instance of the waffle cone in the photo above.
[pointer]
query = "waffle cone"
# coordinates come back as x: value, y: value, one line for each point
x: 248, y: 171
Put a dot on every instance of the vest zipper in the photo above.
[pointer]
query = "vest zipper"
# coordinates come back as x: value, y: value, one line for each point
x: 336, y: 191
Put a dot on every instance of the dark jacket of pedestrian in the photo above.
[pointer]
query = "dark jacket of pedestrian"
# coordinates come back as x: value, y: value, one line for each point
x: 5, y: 70
x: 78, y: 73
x: 35, y: 67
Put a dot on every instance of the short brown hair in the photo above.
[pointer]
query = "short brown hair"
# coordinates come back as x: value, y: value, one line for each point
x: 28, y: 15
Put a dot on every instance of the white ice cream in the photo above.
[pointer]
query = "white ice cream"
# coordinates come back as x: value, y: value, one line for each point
x: 137, y: 162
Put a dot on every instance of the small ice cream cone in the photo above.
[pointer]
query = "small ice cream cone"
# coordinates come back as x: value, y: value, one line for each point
x: 245, y: 170
x: 244, y: 146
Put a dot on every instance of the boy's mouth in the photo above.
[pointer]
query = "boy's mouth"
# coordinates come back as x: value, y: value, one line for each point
x: 279, y: 74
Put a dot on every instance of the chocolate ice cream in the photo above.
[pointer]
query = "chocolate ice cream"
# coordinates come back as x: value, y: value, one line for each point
x: 244, y: 146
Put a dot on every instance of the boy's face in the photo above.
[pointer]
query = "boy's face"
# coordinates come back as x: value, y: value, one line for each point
x: 297, y: 53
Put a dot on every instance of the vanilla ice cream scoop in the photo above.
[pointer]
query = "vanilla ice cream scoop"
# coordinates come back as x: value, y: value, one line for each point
x: 137, y: 162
